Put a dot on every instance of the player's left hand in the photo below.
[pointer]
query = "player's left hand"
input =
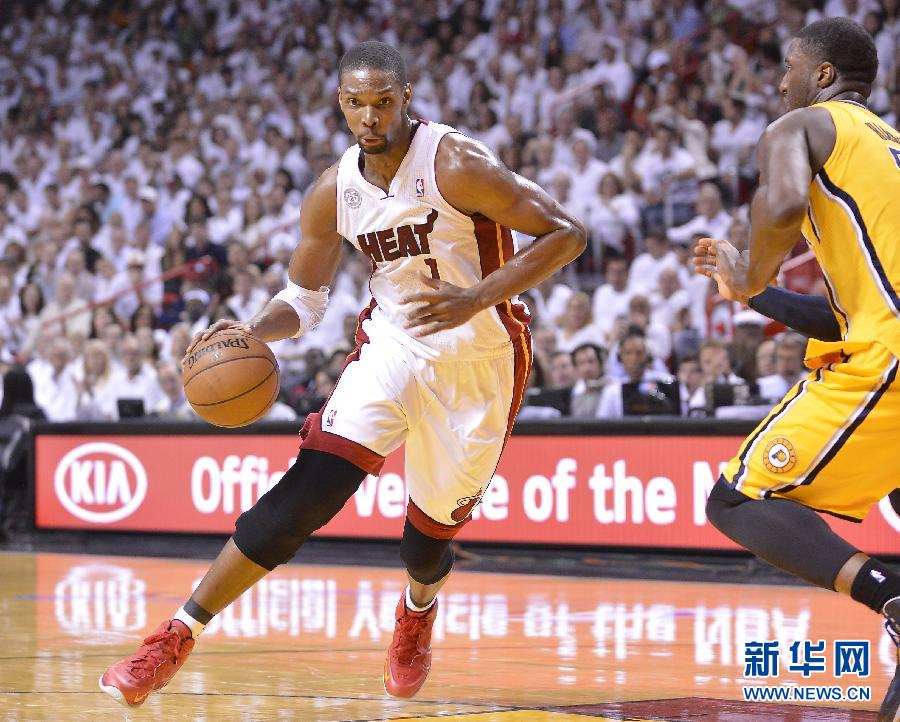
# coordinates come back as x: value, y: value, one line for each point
x: 442, y: 307
x: 718, y: 259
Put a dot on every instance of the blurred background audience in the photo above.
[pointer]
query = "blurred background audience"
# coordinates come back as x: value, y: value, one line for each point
x: 154, y: 155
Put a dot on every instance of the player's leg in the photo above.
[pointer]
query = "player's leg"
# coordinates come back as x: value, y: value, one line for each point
x: 428, y: 562
x: 795, y: 538
x: 451, y: 457
x: 309, y: 495
x: 822, y: 448
x: 306, y: 498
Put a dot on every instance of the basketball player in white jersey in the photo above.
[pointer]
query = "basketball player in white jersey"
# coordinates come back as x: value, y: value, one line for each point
x: 442, y: 356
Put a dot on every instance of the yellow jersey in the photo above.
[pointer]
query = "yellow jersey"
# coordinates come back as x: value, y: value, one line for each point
x: 853, y: 225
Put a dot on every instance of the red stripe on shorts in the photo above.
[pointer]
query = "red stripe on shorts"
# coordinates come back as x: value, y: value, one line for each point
x: 495, y: 247
x: 312, y: 437
x: 521, y: 369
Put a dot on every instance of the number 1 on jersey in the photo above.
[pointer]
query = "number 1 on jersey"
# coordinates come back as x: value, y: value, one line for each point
x: 432, y: 264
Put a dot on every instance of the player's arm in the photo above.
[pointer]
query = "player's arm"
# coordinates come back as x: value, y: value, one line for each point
x: 473, y: 180
x: 791, y: 151
x: 810, y: 315
x: 313, y: 265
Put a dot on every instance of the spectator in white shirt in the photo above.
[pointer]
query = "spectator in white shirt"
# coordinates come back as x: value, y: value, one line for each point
x: 173, y: 403
x: 85, y: 283
x: 789, y: 368
x: 585, y: 172
x: 612, y: 215
x: 576, y: 326
x: 725, y: 58
x: 180, y: 160
x: 668, y: 178
x: 612, y: 298
x: 715, y: 363
x: 643, y: 277
x: 67, y: 314
x: 549, y: 299
x: 53, y: 206
x: 588, y: 361
x: 546, y: 167
x: 734, y: 140
x: 613, y: 71
x: 567, y: 133
x: 156, y: 215
x: 135, y: 380
x: 56, y: 392
x: 96, y: 392
x: 690, y: 378
x: 635, y: 358
x: 549, y: 98
x: 248, y: 298
x: 226, y: 223
x: 9, y: 231
x: 668, y: 299
x: 711, y: 220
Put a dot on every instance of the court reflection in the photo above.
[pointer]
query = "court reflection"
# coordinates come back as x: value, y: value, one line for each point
x: 500, y: 640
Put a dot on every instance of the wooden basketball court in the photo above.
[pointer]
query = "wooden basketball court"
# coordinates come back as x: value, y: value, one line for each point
x: 309, y: 641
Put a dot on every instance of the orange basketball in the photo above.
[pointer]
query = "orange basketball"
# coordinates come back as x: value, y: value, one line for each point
x: 231, y: 379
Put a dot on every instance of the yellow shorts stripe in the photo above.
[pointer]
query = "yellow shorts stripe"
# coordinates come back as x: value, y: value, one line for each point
x: 749, y: 447
x: 844, y: 432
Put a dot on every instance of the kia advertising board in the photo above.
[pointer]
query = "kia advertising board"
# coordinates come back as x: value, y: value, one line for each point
x: 593, y: 490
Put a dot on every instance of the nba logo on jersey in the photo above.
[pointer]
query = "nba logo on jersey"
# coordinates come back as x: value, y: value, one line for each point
x: 420, y: 188
x: 329, y: 420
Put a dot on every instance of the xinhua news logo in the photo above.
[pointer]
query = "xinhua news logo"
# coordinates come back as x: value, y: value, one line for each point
x: 846, y: 659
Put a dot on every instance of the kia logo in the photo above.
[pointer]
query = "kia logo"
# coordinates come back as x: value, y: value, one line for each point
x: 100, y: 482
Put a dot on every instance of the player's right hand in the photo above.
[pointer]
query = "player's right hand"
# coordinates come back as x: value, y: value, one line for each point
x: 716, y: 258
x: 223, y: 324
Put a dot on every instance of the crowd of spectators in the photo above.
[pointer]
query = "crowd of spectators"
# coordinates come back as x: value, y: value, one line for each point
x: 154, y: 154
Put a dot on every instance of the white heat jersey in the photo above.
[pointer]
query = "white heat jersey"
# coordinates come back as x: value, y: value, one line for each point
x: 411, y: 233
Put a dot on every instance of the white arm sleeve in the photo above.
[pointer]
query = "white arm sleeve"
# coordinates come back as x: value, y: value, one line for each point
x: 308, y: 305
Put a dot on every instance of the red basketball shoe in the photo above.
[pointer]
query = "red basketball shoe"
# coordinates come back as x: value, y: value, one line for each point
x: 130, y: 681
x: 409, y: 656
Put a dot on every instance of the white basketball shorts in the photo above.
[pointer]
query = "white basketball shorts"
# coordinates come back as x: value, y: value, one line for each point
x: 454, y: 416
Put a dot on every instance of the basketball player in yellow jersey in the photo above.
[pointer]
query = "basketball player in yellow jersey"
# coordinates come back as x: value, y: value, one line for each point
x: 829, y: 170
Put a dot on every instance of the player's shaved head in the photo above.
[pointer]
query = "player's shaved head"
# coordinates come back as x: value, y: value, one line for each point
x: 374, y: 55
x: 843, y: 43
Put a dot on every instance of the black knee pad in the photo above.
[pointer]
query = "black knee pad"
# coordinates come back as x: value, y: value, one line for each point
x: 306, y: 498
x: 721, y: 499
x: 427, y: 559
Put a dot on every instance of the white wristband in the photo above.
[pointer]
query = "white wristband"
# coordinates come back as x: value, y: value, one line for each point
x: 308, y: 305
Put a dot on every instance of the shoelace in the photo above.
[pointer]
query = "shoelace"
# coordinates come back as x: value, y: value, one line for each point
x: 154, y: 656
x: 407, y: 645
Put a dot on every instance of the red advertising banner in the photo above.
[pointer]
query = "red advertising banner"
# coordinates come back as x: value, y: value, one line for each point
x: 642, y: 491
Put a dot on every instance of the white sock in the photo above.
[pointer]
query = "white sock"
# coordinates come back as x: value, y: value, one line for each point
x: 411, y: 605
x: 188, y: 621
